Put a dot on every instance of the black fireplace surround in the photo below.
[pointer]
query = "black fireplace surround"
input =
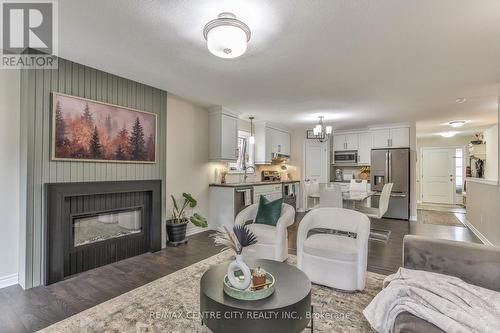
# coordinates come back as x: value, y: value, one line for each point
x: 73, y: 207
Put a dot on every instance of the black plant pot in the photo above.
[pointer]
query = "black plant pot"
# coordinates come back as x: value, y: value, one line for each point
x: 176, y: 232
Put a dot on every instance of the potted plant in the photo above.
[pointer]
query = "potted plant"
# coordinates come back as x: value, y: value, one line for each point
x: 176, y: 226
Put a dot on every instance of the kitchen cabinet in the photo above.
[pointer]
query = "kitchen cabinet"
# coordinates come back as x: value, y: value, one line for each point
x: 223, y: 135
x: 270, y: 140
x: 398, y: 137
x: 365, y: 147
x: 345, y: 142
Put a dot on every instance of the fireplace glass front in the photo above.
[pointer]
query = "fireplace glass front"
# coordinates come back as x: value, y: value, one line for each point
x: 103, y: 226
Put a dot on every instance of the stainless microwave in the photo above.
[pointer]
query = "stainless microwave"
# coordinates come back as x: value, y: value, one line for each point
x: 345, y: 157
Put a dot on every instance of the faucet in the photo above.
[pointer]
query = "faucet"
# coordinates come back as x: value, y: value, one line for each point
x: 245, y: 168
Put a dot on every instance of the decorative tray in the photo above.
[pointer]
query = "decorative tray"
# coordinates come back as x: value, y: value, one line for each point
x: 250, y: 294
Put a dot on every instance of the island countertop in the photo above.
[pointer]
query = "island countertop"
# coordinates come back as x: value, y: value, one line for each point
x: 247, y: 184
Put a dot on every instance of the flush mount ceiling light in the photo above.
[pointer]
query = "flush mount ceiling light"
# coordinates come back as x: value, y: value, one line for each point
x: 226, y: 36
x: 460, y: 100
x: 448, y: 134
x: 457, y: 123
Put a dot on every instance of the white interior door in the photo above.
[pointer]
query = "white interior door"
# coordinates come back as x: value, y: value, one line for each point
x: 438, y: 175
x: 316, y: 163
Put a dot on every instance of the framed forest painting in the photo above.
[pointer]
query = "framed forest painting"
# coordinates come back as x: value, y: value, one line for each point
x: 86, y: 130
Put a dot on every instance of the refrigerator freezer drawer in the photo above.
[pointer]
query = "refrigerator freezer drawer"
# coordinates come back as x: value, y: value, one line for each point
x: 398, y: 206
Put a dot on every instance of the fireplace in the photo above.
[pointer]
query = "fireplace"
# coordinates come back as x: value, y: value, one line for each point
x: 96, y: 223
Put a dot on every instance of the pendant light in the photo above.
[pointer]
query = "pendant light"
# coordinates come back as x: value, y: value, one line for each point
x: 251, y: 139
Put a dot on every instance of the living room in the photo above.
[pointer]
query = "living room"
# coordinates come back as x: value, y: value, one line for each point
x: 142, y: 138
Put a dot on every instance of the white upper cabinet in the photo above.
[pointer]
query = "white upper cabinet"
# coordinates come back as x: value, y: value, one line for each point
x: 269, y: 140
x: 345, y: 142
x: 398, y: 137
x: 223, y: 140
x: 380, y: 138
x: 365, y: 148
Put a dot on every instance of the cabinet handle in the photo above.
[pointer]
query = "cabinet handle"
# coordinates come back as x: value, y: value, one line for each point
x: 279, y: 148
x: 237, y: 152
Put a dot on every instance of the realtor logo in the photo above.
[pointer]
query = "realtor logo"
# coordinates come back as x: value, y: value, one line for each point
x: 29, y: 34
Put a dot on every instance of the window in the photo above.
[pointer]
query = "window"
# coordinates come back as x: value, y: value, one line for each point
x: 459, y: 171
x: 245, y: 153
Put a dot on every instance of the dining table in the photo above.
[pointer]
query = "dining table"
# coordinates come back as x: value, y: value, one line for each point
x: 350, y: 198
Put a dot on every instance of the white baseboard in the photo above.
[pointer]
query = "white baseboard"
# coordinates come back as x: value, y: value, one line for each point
x: 413, y: 218
x: 478, y: 233
x: 8, y: 280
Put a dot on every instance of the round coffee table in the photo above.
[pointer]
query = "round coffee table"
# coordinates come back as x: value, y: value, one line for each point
x: 286, y: 310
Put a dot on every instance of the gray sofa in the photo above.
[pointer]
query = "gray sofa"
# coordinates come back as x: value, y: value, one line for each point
x: 474, y: 263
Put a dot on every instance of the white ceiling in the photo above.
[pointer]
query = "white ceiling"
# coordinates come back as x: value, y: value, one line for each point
x: 358, y: 62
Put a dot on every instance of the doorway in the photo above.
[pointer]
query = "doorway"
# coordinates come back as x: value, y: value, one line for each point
x: 442, y: 175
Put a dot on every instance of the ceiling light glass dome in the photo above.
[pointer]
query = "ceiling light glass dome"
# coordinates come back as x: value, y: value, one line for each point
x: 226, y: 36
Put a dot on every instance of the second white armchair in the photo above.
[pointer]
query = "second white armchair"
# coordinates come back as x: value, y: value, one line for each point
x: 272, y: 241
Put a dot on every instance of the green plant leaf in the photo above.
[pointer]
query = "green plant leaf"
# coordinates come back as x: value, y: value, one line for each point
x: 190, y: 200
x: 199, y: 220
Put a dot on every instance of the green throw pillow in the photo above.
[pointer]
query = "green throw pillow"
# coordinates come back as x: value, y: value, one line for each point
x: 269, y: 212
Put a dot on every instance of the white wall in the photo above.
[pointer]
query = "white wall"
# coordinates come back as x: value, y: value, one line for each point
x: 9, y: 175
x: 187, y: 155
x: 491, y: 138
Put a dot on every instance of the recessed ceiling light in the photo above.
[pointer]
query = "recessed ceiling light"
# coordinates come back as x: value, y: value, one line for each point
x: 460, y: 100
x: 457, y: 123
x: 448, y: 134
x: 226, y: 36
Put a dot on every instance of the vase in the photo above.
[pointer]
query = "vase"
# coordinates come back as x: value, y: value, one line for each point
x: 241, y: 280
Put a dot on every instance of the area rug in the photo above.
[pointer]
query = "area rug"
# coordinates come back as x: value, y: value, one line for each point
x: 439, y: 218
x: 171, y: 304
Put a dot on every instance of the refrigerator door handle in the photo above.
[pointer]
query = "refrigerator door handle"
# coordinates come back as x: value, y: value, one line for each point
x: 390, y: 167
x: 386, y: 180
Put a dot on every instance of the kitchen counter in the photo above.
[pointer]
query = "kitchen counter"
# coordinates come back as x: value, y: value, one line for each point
x: 254, y: 183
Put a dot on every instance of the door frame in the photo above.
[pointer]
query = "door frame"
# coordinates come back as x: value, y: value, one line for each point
x: 421, y: 168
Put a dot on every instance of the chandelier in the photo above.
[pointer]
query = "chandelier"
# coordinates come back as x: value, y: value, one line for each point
x: 322, y: 132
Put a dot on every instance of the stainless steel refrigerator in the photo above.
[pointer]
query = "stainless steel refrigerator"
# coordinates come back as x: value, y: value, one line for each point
x: 392, y: 166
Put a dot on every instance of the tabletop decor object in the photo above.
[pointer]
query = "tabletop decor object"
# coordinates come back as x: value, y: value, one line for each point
x: 238, y: 273
x: 253, y: 292
x: 258, y: 277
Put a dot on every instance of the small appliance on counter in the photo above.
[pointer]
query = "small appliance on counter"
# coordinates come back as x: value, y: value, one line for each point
x: 339, y: 175
x: 270, y: 176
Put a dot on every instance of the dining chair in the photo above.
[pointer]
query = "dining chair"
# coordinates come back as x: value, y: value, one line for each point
x: 383, y: 205
x: 330, y: 195
x: 311, y: 188
x: 358, y: 185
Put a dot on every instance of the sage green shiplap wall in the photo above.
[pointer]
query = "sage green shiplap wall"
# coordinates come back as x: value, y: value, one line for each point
x: 78, y: 80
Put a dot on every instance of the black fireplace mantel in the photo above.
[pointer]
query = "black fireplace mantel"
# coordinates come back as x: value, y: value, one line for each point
x: 62, y: 260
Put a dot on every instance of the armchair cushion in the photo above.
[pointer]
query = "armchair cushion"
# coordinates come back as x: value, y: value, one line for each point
x: 332, y: 247
x: 269, y: 212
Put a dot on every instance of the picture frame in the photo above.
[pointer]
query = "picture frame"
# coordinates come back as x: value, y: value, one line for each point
x: 86, y: 130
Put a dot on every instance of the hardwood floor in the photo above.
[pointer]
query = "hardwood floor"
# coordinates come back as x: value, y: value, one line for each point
x: 31, y: 310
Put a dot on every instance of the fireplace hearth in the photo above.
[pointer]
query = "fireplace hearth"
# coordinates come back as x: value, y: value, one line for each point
x: 96, y: 223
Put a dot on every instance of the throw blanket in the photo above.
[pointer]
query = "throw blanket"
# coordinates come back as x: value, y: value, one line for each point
x: 446, y: 301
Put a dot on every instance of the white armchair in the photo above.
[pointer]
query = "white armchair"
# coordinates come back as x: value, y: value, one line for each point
x: 334, y: 260
x: 272, y: 241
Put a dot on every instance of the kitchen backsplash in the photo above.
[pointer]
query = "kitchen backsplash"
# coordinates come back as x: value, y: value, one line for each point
x: 239, y: 177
